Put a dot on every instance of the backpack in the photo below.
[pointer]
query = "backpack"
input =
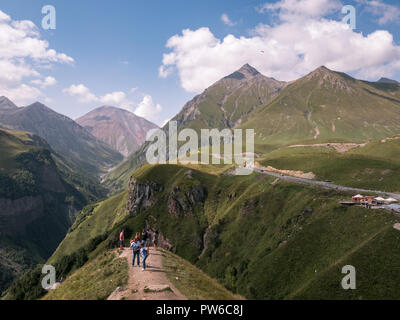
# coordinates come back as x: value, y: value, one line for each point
x: 135, y: 247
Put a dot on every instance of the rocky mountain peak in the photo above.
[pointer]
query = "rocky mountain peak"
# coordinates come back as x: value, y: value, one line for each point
x: 329, y: 78
x: 249, y: 70
x: 387, y: 80
x: 245, y: 72
x: 6, y: 104
x: 322, y: 70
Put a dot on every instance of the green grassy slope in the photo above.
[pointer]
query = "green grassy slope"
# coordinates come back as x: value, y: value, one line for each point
x: 193, y: 283
x: 269, y: 240
x: 96, y: 280
x: 93, y: 221
x: 259, y: 239
x: 377, y: 270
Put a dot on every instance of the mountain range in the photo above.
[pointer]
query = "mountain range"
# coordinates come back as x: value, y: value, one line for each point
x: 323, y: 106
x: 260, y: 236
x: 63, y: 134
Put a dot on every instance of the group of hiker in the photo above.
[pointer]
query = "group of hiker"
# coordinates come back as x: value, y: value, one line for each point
x: 140, y: 245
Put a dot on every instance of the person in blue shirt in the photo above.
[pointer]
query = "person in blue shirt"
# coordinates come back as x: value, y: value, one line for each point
x: 144, y: 252
x: 135, y: 245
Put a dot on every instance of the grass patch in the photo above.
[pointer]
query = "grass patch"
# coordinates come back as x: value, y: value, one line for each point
x: 192, y: 282
x: 96, y: 280
x: 93, y: 221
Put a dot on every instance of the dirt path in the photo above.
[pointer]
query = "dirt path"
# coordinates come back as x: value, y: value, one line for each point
x: 151, y: 284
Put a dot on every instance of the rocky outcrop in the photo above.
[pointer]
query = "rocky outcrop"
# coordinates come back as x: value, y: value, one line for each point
x: 249, y: 207
x: 163, y: 241
x: 181, y: 203
x: 142, y: 195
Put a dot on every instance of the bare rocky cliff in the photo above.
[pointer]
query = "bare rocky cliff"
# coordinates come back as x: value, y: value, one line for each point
x: 180, y: 200
x: 142, y: 195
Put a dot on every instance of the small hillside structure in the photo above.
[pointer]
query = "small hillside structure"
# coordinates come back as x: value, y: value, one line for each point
x: 372, y: 200
x: 390, y: 200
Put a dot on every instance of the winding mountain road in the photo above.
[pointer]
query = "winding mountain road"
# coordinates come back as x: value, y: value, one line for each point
x: 327, y: 185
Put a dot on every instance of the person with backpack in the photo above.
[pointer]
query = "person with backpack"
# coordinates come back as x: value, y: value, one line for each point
x: 144, y: 252
x: 135, y: 245
x: 137, y: 236
x: 144, y: 236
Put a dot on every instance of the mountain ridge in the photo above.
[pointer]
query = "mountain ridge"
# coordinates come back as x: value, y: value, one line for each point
x: 6, y: 104
x: 387, y: 80
x: 324, y: 105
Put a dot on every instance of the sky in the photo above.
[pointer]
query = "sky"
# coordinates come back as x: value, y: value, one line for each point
x: 151, y: 57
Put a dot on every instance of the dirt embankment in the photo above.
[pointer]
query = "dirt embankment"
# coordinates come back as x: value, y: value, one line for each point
x: 339, y: 147
x: 294, y: 173
x: 389, y: 139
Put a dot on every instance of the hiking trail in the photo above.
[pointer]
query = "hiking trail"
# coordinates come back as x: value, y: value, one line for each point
x: 151, y: 284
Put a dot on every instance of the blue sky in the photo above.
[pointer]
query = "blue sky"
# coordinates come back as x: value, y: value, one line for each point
x: 117, y: 48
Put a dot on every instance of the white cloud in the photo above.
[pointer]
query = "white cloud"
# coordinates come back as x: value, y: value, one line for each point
x: 84, y: 95
x: 12, y: 73
x: 290, y: 9
x: 225, y: 19
x: 81, y: 92
x: 21, y: 94
x: 386, y: 13
x: 113, y: 98
x: 291, y: 48
x: 4, y: 17
x: 148, y: 109
x: 47, y: 82
x: 22, y: 54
